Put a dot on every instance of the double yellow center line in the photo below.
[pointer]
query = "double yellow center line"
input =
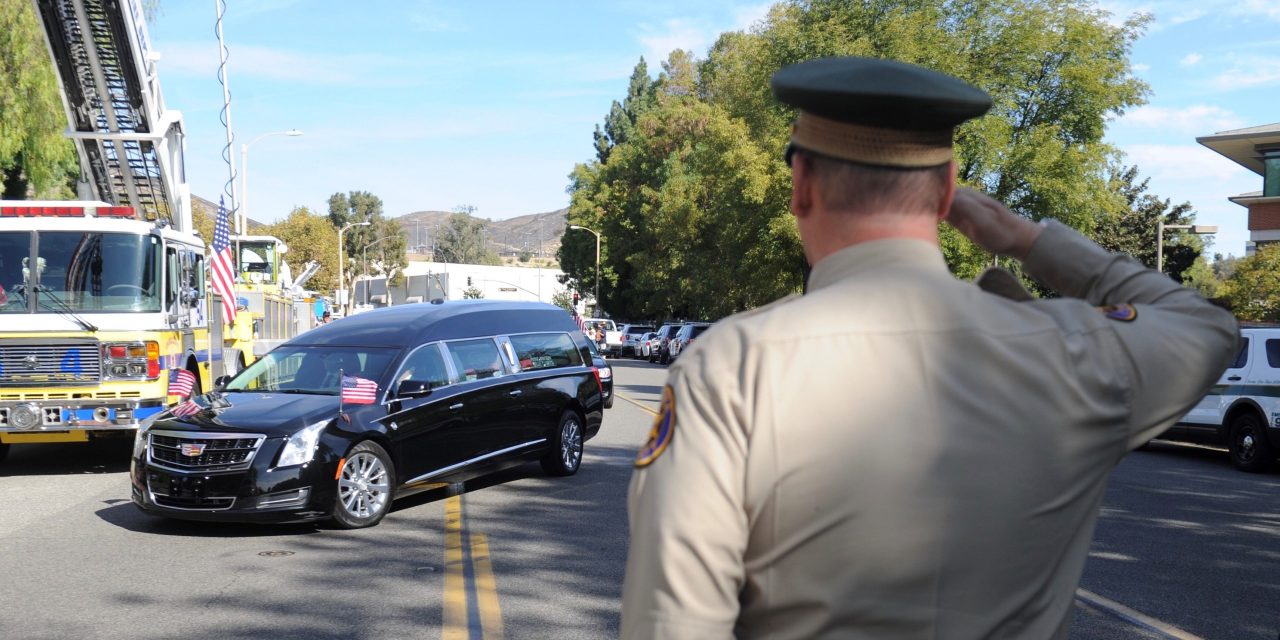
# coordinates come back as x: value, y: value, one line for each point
x: 471, y: 610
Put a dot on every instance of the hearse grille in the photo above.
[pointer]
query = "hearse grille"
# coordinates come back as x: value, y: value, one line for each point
x: 203, y: 452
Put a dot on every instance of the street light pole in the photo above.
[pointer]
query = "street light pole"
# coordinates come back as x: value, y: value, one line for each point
x: 1200, y: 229
x: 244, y: 174
x: 597, y: 235
x: 342, y: 283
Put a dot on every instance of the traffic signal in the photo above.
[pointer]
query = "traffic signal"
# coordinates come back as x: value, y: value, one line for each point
x: 575, y: 297
x: 468, y: 281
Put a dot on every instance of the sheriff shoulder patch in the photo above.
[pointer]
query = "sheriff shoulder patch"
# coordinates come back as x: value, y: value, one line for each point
x: 1121, y: 312
x: 663, y: 427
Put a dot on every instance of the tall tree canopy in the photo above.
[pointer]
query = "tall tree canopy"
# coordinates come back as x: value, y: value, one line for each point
x: 1253, y: 290
x: 383, y: 237
x: 309, y: 236
x: 36, y: 161
x: 691, y: 195
x: 462, y: 241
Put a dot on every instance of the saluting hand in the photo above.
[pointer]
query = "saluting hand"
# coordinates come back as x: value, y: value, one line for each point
x: 990, y: 225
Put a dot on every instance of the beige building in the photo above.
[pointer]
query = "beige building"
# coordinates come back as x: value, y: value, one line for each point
x: 1258, y: 150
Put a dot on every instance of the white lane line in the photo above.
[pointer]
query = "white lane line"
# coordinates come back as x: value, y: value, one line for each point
x: 1133, y: 617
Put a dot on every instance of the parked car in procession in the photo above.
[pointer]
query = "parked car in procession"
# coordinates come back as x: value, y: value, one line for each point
x: 646, y: 344
x: 1242, y: 411
x: 343, y: 419
x: 606, y: 374
x: 631, y: 336
x: 683, y: 337
x: 658, y: 350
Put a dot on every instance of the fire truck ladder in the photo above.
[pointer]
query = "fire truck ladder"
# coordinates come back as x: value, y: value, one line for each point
x: 130, y: 147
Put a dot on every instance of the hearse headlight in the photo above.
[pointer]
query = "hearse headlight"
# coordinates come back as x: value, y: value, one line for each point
x: 301, y: 446
x: 140, y: 436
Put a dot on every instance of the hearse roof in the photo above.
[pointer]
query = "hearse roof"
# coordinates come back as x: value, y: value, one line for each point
x: 411, y: 324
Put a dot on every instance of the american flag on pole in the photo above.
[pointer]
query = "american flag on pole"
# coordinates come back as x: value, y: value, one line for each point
x: 582, y: 326
x: 181, y: 382
x: 357, y: 390
x: 223, y: 265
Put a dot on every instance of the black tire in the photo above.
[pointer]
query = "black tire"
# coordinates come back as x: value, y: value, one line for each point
x: 666, y: 356
x: 565, y: 456
x: 4, y: 451
x: 365, y: 486
x: 1248, y: 446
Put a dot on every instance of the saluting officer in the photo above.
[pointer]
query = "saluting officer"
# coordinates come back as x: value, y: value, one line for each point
x: 897, y: 453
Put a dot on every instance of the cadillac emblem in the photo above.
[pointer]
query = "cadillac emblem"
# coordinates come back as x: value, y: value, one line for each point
x: 192, y: 450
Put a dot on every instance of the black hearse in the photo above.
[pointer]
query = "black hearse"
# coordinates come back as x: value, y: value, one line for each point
x: 463, y: 389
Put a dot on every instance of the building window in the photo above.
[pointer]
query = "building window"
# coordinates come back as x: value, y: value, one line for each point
x: 1271, y: 173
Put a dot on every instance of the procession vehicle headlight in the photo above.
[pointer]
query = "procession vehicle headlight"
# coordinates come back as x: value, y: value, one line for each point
x: 131, y: 360
x: 301, y: 446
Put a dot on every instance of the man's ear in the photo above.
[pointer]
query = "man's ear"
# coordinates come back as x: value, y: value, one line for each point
x: 944, y: 206
x: 802, y: 186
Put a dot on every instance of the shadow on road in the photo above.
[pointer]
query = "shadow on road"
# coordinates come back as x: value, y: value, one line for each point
x: 109, y: 455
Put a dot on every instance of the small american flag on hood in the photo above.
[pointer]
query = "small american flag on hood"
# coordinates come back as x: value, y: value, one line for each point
x: 185, y: 408
x: 181, y: 382
x: 357, y: 390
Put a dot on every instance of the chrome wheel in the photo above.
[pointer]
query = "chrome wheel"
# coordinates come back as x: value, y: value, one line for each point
x: 364, y: 487
x: 570, y: 444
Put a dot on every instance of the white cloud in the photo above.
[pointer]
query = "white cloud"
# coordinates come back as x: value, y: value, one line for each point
x: 1249, y: 71
x: 1191, y: 59
x: 1265, y: 8
x: 1182, y: 162
x: 1195, y: 120
x: 282, y: 64
x: 676, y: 33
x: 1141, y: 68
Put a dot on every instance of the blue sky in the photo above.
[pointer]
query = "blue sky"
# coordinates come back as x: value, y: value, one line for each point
x: 432, y: 105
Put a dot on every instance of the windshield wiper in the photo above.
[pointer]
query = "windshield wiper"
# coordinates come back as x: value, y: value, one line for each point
x: 65, y: 309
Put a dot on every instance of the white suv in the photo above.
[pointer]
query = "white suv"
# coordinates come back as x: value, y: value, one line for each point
x: 1242, y: 411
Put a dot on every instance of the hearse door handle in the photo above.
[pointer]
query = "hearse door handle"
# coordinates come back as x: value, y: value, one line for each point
x: 1233, y: 378
x: 455, y: 407
x: 514, y: 392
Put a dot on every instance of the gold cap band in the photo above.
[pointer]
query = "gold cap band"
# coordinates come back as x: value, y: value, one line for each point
x: 871, y: 145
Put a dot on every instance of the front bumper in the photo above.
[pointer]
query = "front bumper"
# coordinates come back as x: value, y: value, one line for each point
x: 62, y: 414
x: 252, y: 493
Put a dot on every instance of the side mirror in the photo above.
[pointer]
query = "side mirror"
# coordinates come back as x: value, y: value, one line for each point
x: 221, y: 381
x: 413, y: 389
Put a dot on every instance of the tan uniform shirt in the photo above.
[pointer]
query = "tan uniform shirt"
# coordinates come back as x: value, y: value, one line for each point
x: 899, y: 454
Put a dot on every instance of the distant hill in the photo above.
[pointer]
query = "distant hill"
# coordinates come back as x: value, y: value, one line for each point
x: 210, y: 209
x: 537, y: 233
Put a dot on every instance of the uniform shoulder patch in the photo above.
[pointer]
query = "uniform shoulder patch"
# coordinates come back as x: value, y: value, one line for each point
x: 664, y: 426
x: 1121, y: 312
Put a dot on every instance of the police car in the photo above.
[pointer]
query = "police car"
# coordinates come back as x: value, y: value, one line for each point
x: 1242, y: 411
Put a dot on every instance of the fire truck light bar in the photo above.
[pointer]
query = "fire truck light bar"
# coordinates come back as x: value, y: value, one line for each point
x: 66, y: 212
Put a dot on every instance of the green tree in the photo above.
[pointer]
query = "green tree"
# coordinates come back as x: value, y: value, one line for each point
x: 1133, y: 230
x: 563, y: 299
x: 36, y: 161
x: 359, y: 206
x: 1253, y: 290
x: 462, y: 241
x: 310, y: 236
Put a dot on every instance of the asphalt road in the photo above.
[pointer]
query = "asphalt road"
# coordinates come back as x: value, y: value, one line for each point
x: 1185, y: 543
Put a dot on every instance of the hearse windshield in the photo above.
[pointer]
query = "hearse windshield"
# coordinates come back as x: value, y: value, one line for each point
x: 79, y: 271
x: 311, y: 369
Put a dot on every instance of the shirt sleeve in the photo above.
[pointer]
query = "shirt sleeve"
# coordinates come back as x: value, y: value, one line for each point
x: 1173, y: 345
x: 688, y: 524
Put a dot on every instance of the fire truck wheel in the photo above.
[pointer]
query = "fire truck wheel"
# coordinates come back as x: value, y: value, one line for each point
x: 4, y: 451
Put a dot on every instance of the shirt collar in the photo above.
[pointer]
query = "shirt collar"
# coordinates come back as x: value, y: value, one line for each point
x: 866, y: 257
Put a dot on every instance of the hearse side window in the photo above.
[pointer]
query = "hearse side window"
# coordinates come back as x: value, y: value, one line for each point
x: 476, y: 359
x: 425, y: 365
x: 545, y: 351
x: 1243, y: 357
